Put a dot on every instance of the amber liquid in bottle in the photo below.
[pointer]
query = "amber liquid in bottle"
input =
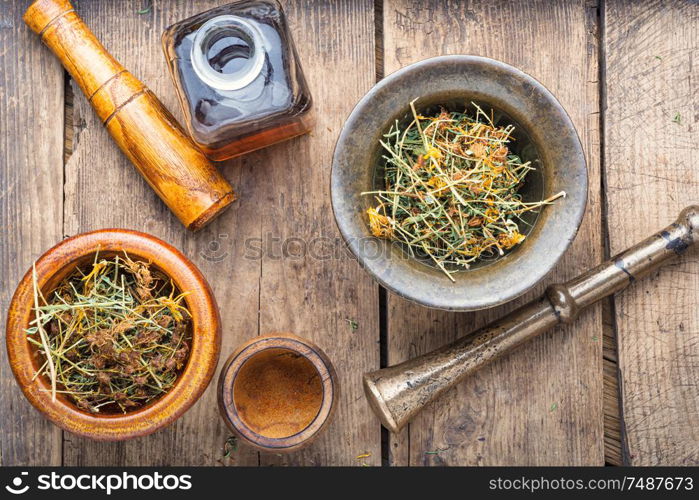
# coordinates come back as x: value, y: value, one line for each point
x: 238, y: 78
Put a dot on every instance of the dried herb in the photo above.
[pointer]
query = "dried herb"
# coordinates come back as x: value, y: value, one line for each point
x: 230, y: 446
x: 113, y: 336
x: 147, y: 9
x: 361, y: 457
x: 452, y: 189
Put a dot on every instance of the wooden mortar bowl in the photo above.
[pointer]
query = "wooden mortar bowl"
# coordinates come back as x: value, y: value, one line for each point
x: 59, y: 262
x: 277, y: 392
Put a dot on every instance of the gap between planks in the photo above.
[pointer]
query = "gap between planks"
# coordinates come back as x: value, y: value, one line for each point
x: 612, y: 421
x: 383, y: 293
x: 612, y: 409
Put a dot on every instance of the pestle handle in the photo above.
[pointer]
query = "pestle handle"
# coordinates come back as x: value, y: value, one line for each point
x: 138, y: 122
x: 398, y: 393
x: 626, y: 267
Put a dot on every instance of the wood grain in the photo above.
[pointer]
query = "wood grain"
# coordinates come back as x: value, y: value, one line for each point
x: 104, y: 190
x: 316, y: 290
x: 650, y: 157
x: 31, y: 215
x: 283, y: 196
x: 504, y: 415
x: 543, y: 404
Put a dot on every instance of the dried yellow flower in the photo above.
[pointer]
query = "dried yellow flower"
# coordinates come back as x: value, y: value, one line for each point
x: 508, y: 240
x: 379, y: 224
x: 433, y: 152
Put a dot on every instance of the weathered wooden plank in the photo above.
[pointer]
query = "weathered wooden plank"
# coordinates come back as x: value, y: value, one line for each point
x: 31, y: 215
x: 283, y: 194
x: 543, y: 404
x: 315, y: 290
x: 650, y: 158
x: 104, y: 190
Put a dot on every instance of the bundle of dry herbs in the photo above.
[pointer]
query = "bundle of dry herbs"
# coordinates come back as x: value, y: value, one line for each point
x: 452, y: 189
x: 113, y: 336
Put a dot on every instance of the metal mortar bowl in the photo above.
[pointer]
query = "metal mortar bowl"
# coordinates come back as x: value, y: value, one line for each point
x: 544, y: 134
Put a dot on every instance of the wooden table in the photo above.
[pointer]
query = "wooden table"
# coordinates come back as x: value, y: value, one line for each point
x: 626, y: 72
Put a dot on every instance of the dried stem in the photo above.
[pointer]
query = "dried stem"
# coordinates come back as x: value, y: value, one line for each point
x: 451, y: 189
x: 44, y: 337
x: 116, y: 336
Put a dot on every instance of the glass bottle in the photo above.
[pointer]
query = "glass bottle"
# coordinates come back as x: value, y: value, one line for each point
x: 238, y: 78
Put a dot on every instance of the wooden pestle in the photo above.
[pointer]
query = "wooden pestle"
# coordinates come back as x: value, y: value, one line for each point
x: 142, y: 127
x: 398, y: 393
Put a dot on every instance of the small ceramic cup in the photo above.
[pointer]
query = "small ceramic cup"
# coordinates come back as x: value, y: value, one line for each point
x: 277, y: 392
x: 62, y: 260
